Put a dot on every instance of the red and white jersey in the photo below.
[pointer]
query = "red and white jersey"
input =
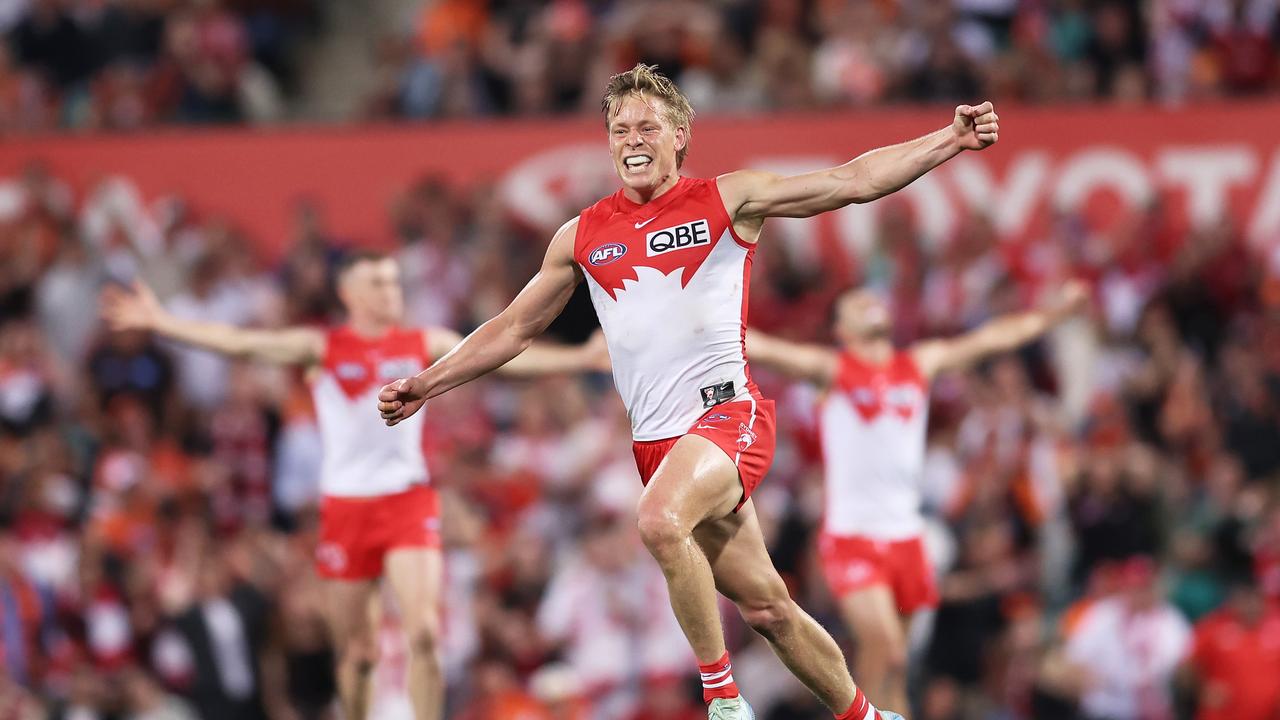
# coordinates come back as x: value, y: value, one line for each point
x: 873, y: 439
x: 669, y: 282
x: 363, y: 457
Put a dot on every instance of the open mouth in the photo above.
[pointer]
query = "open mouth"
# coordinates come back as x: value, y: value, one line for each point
x: 636, y: 163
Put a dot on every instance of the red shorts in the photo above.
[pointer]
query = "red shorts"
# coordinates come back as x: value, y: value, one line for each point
x: 356, y: 533
x: 852, y: 563
x: 744, y: 430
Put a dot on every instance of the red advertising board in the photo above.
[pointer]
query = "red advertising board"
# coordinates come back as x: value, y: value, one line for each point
x: 1208, y: 161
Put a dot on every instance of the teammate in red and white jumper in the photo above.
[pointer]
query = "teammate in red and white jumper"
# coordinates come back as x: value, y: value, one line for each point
x: 379, y: 513
x: 667, y: 260
x: 872, y: 425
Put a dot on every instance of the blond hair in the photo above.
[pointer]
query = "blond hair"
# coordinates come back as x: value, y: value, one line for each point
x: 646, y: 80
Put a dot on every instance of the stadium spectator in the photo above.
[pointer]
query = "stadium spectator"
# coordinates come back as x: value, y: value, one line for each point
x: 1236, y: 650
x: 128, y: 64
x: 1128, y: 647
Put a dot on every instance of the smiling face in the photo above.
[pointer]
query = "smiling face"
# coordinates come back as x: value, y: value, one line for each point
x: 644, y: 143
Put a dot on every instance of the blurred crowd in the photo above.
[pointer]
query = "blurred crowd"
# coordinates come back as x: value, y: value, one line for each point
x: 1105, y: 512
x: 470, y: 57
x: 128, y: 64
x: 125, y: 64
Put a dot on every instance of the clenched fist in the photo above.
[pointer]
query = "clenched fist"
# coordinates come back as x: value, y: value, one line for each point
x: 400, y: 399
x: 976, y: 126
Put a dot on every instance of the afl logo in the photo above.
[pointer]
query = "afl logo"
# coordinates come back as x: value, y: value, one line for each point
x: 606, y: 254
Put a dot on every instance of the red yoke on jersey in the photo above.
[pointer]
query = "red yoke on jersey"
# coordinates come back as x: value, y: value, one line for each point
x: 873, y: 435
x: 669, y: 280
x: 375, y: 484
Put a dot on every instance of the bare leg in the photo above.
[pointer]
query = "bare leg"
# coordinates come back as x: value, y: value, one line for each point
x: 695, y: 481
x: 881, y: 659
x: 745, y: 573
x: 415, y: 577
x: 349, y: 616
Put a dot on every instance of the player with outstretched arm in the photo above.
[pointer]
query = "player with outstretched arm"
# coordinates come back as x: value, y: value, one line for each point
x: 379, y: 513
x: 667, y: 260
x: 872, y: 424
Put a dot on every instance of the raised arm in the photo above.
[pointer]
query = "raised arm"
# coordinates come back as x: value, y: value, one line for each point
x: 499, y: 340
x: 539, y: 359
x: 137, y: 308
x: 999, y: 335
x: 806, y: 362
x: 752, y: 195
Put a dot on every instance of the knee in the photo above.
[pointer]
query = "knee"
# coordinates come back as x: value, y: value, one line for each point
x: 423, y: 637
x: 661, y: 531
x: 770, y: 618
x: 359, y: 654
x: 883, y: 649
x: 895, y: 657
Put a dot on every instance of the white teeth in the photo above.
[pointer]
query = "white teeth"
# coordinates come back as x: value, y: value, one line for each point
x: 638, y: 160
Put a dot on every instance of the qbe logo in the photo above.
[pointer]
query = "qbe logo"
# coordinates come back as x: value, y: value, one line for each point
x: 398, y: 367
x: 350, y: 371
x: 606, y: 254
x: 691, y: 234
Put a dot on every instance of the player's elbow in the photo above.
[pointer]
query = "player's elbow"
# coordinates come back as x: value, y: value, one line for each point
x: 857, y: 184
x: 519, y: 332
x: 863, y: 190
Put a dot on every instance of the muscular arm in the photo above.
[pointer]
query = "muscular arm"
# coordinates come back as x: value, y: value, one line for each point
x: 138, y: 309
x: 806, y: 362
x: 499, y: 340
x: 754, y: 195
x: 997, y: 336
x: 539, y: 359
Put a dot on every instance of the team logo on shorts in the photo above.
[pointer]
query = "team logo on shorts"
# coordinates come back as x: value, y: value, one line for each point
x: 606, y: 254
x: 746, y: 437
x: 331, y: 556
x: 718, y: 417
x: 857, y: 571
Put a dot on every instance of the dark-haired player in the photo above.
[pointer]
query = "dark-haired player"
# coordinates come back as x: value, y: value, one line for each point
x: 873, y: 423
x: 379, y: 514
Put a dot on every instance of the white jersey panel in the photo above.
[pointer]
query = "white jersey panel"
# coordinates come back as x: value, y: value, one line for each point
x: 668, y: 340
x: 362, y: 456
x: 873, y: 445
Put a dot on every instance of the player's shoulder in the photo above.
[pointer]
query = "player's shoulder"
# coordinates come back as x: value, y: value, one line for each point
x: 737, y: 184
x: 566, y: 238
x: 336, y: 333
x: 743, y: 176
x: 906, y: 363
x: 569, y: 227
x: 604, y: 207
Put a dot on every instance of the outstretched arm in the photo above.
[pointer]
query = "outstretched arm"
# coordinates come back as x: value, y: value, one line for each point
x: 806, y: 362
x: 137, y: 308
x: 539, y: 359
x: 999, y: 335
x: 754, y: 195
x: 499, y: 340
